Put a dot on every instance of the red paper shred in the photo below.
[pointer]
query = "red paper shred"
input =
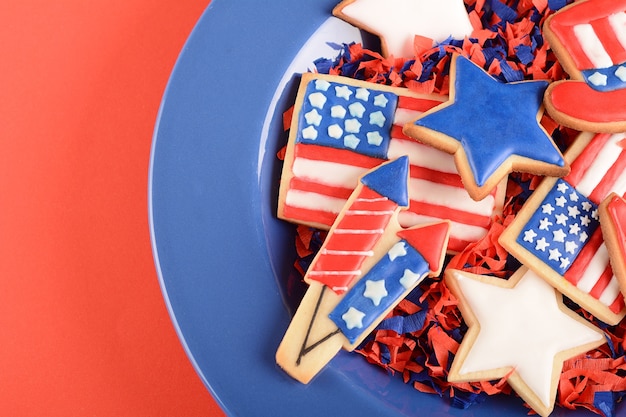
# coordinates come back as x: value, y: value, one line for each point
x: 508, y: 43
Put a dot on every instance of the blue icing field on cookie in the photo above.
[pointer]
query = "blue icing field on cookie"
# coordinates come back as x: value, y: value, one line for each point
x: 561, y: 226
x: 400, y: 269
x: 390, y: 180
x: 347, y: 117
x: 493, y: 120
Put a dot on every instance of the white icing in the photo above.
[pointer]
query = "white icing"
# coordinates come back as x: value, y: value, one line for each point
x: 322, y: 85
x: 362, y: 94
x: 597, y: 265
x: 422, y: 155
x: 397, y: 251
x: 337, y: 111
x: 409, y: 278
x: 343, y: 92
x: 381, y: 101
x: 377, y: 118
x: 404, y: 116
x: 600, y: 165
x: 309, y: 133
x: 313, y: 118
x: 370, y: 212
x: 621, y: 73
x: 375, y: 291
x: 329, y: 173
x: 356, y: 109
x: 352, y: 126
x: 618, y: 24
x: 592, y: 46
x: 458, y: 230
x: 400, y: 20
x: 597, y: 79
x: 317, y: 100
x: 314, y: 201
x: 353, y: 318
x: 351, y: 141
x: 448, y: 196
x: 374, y: 138
x: 335, y: 131
x: 521, y: 328
x: 611, y: 292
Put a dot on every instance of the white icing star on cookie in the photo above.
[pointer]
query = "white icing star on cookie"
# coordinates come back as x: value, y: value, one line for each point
x: 520, y: 325
x: 398, y: 21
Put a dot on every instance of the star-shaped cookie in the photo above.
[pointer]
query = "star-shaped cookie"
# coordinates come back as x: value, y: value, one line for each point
x: 518, y: 326
x: 491, y: 128
x: 397, y: 22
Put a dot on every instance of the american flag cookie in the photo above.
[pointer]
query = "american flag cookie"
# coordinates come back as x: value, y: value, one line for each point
x: 613, y: 222
x: 557, y: 232
x: 397, y: 22
x: 589, y: 39
x: 341, y: 128
x: 518, y: 328
x: 492, y: 128
x: 367, y: 264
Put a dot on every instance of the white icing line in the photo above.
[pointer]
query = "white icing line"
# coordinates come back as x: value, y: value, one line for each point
x: 404, y: 116
x: 314, y: 201
x: 457, y: 230
x: 618, y: 24
x: 422, y: 155
x: 600, y: 165
x: 328, y: 173
x: 596, y: 267
x: 449, y: 196
x: 611, y: 292
x: 592, y: 46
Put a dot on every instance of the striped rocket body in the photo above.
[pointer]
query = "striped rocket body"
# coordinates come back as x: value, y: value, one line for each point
x: 360, y: 226
x: 594, y: 34
x: 325, y: 172
x: 352, y: 241
x: 567, y: 222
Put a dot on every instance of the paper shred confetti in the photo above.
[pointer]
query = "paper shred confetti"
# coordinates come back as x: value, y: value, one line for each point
x: 419, y: 338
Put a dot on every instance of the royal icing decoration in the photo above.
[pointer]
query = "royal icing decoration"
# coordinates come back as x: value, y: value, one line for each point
x: 360, y: 226
x: 398, y: 21
x: 400, y: 270
x: 558, y: 226
x: 322, y: 170
x: 613, y: 221
x: 328, y: 318
x: 594, y: 34
x: 519, y: 326
x: 487, y: 139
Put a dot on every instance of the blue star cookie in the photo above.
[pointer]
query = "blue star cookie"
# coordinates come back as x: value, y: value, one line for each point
x: 491, y: 128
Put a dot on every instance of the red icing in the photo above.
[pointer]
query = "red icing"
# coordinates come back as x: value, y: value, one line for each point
x: 322, y: 153
x: 586, y: 158
x: 575, y: 272
x: 337, y: 269
x: 430, y: 241
x: 578, y: 100
x: 617, y: 212
x: 603, y: 189
x: 594, y: 12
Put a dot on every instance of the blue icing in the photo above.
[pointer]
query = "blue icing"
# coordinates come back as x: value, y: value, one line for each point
x: 347, y: 117
x: 390, y: 180
x: 606, y: 79
x: 557, y: 232
x: 493, y: 120
x: 401, y: 268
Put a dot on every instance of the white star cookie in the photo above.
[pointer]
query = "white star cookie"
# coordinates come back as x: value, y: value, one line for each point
x: 397, y: 22
x: 521, y: 326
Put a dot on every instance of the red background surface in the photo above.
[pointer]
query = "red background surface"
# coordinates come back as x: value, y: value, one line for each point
x: 83, y: 328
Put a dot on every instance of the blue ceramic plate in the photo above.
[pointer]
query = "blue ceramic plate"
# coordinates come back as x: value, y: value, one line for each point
x: 222, y: 256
